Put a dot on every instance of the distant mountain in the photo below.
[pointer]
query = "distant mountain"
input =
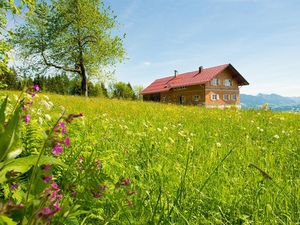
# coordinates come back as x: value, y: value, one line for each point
x: 276, y: 102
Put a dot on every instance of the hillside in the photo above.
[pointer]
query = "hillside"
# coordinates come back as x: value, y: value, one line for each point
x: 186, y: 165
x: 276, y: 102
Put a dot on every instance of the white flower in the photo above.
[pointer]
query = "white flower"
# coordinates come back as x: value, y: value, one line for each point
x: 46, y: 104
x: 158, y: 129
x: 46, y: 97
x: 276, y: 136
x: 219, y: 144
x: 47, y: 116
x: 40, y: 120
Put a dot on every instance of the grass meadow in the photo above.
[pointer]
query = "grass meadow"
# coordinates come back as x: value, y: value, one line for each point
x: 186, y: 165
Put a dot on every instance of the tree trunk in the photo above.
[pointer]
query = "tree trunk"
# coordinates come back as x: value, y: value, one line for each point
x: 84, y: 83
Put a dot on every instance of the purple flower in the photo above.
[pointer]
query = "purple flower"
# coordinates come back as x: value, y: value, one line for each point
x: 103, y: 187
x: 98, y: 195
x: 46, y: 179
x: 47, y: 167
x: 14, y: 186
x: 36, y: 87
x: 129, y: 203
x: 126, y: 182
x: 27, y: 119
x: 67, y: 142
x: 62, y: 126
x: 57, y: 150
x: 45, y: 212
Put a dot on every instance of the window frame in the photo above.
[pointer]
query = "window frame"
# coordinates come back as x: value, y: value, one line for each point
x: 233, y: 97
x: 227, y: 82
x: 228, y: 97
x: 214, y: 95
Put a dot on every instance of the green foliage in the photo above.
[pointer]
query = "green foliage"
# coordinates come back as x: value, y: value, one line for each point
x: 72, y: 36
x: 123, y: 90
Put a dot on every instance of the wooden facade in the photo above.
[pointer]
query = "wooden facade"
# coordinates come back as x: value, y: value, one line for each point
x: 221, y: 91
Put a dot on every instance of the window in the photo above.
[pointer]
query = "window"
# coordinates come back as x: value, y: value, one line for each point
x: 215, y: 82
x: 181, y: 100
x: 227, y: 83
x: 226, y: 97
x: 214, y: 97
x: 196, y: 98
x: 233, y: 97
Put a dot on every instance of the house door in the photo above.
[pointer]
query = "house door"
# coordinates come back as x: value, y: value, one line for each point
x: 181, y: 100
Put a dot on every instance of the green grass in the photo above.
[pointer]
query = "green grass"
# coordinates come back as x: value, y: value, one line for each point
x: 193, y: 165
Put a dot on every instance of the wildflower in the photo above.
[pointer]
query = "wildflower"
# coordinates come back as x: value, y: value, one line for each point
x: 45, y: 212
x: 126, y: 182
x: 62, y: 126
x: 98, y: 195
x: 46, y: 104
x: 47, y: 179
x: 219, y: 145
x: 36, y: 87
x: 158, y: 129
x: 67, y: 141
x: 103, y: 187
x: 47, y: 116
x: 81, y: 114
x: 57, y: 150
x: 98, y: 164
x: 55, y: 186
x: 47, y: 167
x: 56, y: 206
x: 14, y: 186
x: 27, y: 119
x: 276, y: 136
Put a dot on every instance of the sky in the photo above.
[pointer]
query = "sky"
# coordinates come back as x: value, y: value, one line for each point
x: 260, y: 38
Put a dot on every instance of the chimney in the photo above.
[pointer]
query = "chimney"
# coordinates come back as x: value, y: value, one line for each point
x: 200, y: 69
x: 175, y: 73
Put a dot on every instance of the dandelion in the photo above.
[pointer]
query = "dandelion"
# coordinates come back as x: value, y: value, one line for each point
x: 57, y: 150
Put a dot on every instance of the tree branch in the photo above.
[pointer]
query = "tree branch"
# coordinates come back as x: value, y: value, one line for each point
x: 58, y: 66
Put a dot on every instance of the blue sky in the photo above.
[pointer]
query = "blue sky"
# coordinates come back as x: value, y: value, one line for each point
x: 260, y: 38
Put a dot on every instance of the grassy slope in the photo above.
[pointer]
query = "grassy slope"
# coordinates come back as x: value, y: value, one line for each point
x: 192, y: 164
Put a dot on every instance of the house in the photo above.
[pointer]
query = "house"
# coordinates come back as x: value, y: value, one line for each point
x: 211, y: 87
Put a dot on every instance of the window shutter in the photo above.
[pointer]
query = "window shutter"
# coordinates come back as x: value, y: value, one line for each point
x: 217, y: 97
x: 211, y: 97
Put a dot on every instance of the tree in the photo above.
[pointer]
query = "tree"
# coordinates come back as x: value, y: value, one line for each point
x: 71, y: 35
x: 5, y: 7
x: 122, y: 90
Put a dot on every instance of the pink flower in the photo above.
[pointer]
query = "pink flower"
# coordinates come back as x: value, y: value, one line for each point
x: 27, y: 119
x: 33, y: 95
x: 47, y: 167
x: 46, y: 179
x: 55, y: 186
x: 45, y: 212
x: 56, y: 206
x: 81, y: 114
x: 67, y: 141
x: 57, y: 150
x: 36, y: 87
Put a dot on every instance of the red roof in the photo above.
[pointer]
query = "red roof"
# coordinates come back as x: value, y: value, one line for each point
x: 191, y: 78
